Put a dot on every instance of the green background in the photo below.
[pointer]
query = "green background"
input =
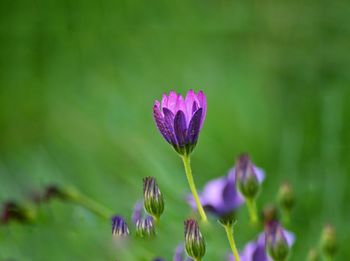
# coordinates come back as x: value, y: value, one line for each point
x: 77, y: 83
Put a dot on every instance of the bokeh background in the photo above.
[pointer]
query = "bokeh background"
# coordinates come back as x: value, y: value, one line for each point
x: 77, y: 83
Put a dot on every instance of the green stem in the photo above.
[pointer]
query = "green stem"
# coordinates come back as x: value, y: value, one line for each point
x: 286, y: 217
x: 231, y: 240
x: 187, y: 164
x: 251, y: 204
x: 92, y: 205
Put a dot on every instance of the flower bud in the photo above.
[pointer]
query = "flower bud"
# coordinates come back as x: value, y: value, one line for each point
x: 153, y: 199
x: 286, y: 197
x: 270, y: 213
x: 194, y: 241
x: 17, y: 212
x: 329, y: 241
x: 119, y: 226
x: 313, y: 255
x: 145, y: 227
x: 276, y: 242
x: 246, y: 178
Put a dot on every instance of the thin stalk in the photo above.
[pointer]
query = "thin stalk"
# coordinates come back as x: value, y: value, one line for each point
x: 92, y: 205
x: 251, y: 204
x: 187, y: 164
x: 231, y: 240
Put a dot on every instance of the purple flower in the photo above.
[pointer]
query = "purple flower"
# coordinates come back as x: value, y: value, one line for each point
x: 137, y: 212
x: 255, y: 250
x: 248, y: 177
x: 277, y: 240
x: 119, y: 226
x: 220, y: 196
x: 180, y: 119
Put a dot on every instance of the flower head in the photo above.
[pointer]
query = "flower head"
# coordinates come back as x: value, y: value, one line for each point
x: 220, y: 196
x: 278, y: 241
x: 256, y: 251
x: 145, y: 227
x: 329, y: 241
x: 194, y: 241
x: 286, y: 196
x: 153, y: 198
x: 119, y: 226
x: 248, y: 177
x: 180, y: 119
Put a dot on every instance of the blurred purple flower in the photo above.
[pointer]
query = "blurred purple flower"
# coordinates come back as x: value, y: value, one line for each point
x: 278, y: 241
x: 220, y: 196
x: 255, y: 250
x: 180, y: 119
x: 248, y: 176
x: 137, y: 213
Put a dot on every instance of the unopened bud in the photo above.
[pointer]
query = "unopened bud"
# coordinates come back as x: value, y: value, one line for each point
x: 286, y: 197
x: 270, y: 213
x: 145, y: 227
x: 194, y: 241
x: 153, y: 198
x: 119, y: 227
x: 329, y: 241
x: 276, y: 242
x: 246, y: 179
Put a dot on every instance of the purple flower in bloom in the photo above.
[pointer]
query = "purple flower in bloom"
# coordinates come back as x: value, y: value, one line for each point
x: 220, y: 196
x: 180, y: 119
x: 119, y: 226
x: 256, y: 250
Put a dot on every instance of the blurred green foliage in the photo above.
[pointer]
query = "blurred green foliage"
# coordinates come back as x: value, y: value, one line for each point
x: 77, y: 84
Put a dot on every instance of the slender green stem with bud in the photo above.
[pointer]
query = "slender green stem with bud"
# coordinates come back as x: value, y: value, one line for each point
x: 251, y: 204
x: 91, y: 205
x: 229, y: 233
x: 187, y: 164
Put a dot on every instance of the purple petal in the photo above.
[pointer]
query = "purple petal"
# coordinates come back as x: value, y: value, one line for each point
x: 158, y: 117
x: 190, y: 98
x: 169, y: 125
x: 137, y: 212
x: 290, y: 237
x: 193, y: 128
x: 231, y: 198
x: 164, y: 101
x: 172, y: 100
x: 212, y: 192
x: 260, y: 174
x: 203, y: 104
x: 178, y: 253
x: 255, y: 250
x: 194, y: 107
x: 180, y: 105
x: 180, y: 128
